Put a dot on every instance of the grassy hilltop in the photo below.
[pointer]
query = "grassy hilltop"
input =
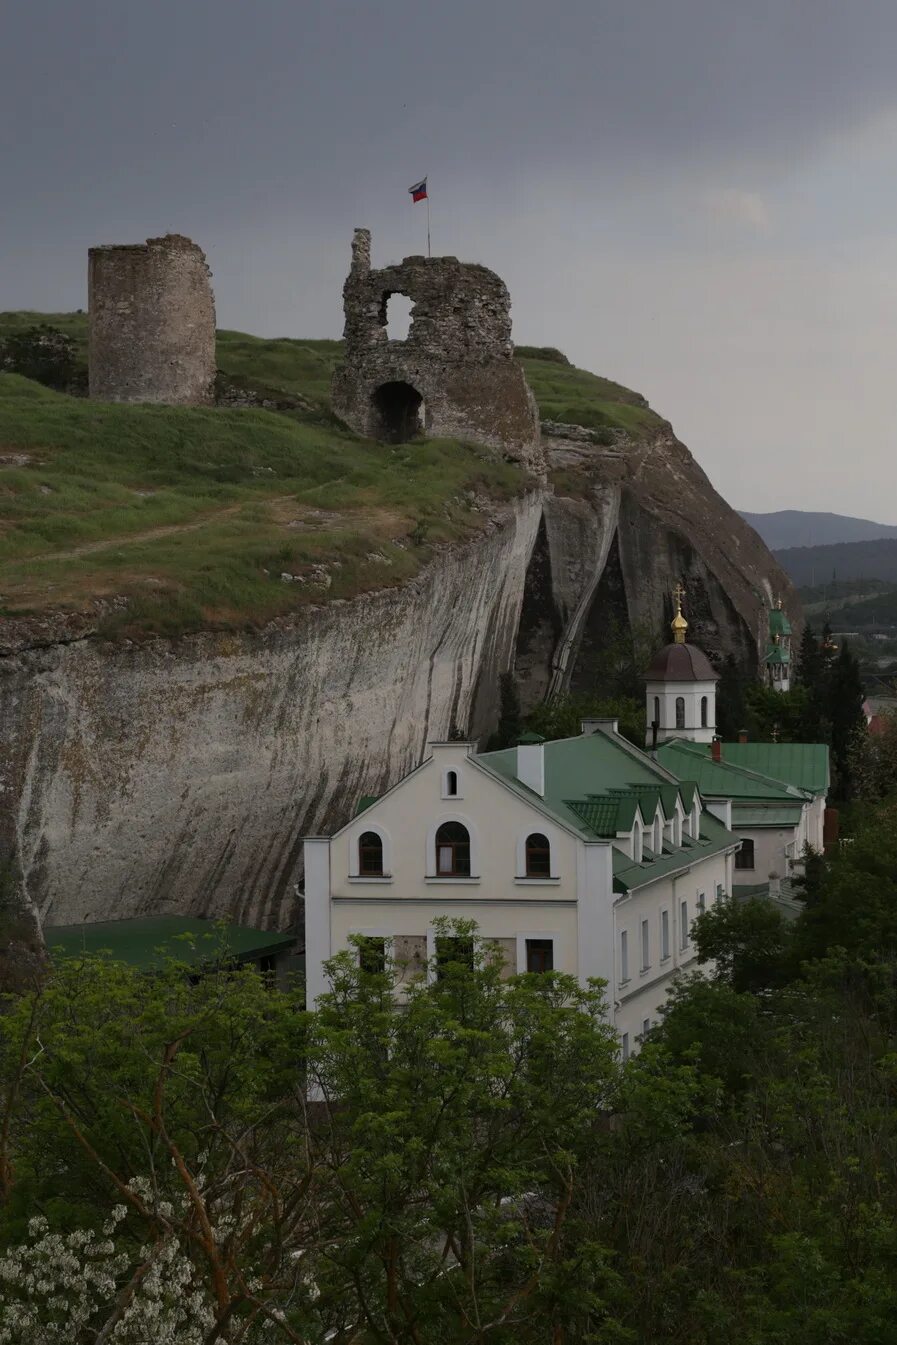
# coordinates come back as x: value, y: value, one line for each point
x: 195, y: 515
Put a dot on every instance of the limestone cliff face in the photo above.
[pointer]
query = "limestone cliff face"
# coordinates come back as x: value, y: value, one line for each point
x: 181, y: 776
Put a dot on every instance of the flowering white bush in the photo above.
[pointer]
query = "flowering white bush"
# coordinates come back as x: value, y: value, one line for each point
x: 60, y: 1289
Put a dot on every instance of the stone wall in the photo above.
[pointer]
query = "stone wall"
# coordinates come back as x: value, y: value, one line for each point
x: 152, y: 323
x: 455, y: 375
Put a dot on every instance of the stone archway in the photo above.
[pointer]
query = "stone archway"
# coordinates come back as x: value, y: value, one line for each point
x: 398, y: 412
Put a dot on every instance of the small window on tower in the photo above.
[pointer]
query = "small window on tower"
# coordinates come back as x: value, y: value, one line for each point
x: 680, y: 712
x: 703, y: 712
x: 657, y: 710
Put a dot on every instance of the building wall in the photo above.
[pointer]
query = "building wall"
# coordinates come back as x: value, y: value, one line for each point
x: 691, y: 692
x: 576, y: 908
x: 641, y: 996
x: 152, y: 323
x: 771, y: 852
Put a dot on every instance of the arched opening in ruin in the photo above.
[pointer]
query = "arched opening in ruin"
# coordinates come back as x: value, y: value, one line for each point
x: 398, y: 412
x: 397, y: 310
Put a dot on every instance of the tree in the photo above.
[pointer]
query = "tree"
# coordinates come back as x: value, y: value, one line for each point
x: 747, y: 942
x: 563, y: 716
x: 845, y: 712
x: 731, y: 706
x: 510, y: 717
x: 43, y: 353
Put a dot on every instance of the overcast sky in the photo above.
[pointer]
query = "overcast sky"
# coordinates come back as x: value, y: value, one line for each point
x: 695, y: 197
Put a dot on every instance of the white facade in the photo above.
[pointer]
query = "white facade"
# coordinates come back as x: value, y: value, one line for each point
x: 572, y: 907
x: 682, y: 710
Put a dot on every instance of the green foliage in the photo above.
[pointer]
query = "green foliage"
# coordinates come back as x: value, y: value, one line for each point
x: 43, y: 353
x: 195, y: 514
x: 746, y: 940
x: 562, y: 717
x: 510, y: 721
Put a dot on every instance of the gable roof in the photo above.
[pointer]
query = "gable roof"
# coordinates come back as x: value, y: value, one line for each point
x: 803, y: 765
x: 725, y: 777
x: 597, y: 785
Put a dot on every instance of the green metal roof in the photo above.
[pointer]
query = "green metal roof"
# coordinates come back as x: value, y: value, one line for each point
x: 714, y: 837
x: 778, y: 622
x: 803, y: 765
x: 365, y: 802
x: 595, y: 784
x: 726, y: 777
x: 776, y: 654
x: 575, y: 769
x: 150, y: 941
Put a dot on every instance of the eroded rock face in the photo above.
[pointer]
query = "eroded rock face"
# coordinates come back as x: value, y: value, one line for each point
x: 454, y: 376
x: 181, y: 776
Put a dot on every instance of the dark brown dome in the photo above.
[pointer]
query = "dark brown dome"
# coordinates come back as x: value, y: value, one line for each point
x: 681, y: 663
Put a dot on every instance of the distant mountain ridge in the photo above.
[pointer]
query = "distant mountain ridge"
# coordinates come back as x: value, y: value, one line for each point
x: 810, y: 565
x: 803, y: 528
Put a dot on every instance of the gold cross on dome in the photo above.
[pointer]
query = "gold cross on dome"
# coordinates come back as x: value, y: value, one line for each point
x: 678, y: 594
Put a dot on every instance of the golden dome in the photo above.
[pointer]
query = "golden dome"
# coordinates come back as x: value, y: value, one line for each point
x: 679, y: 625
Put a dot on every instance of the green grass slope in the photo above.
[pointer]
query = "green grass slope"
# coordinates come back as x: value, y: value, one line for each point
x: 195, y: 515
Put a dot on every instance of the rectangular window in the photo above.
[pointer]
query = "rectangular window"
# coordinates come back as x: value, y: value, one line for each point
x: 646, y: 945
x: 454, y: 952
x: 664, y: 935
x: 744, y: 858
x: 372, y: 956
x: 539, y: 955
x: 646, y: 1026
x: 683, y: 924
x: 624, y: 956
x: 701, y: 903
x: 625, y: 1044
x: 719, y: 891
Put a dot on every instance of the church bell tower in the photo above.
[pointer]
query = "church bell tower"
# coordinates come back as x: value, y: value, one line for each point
x: 680, y: 688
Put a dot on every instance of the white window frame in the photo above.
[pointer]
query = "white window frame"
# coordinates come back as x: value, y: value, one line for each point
x: 645, y: 946
x: 665, y: 948
x: 354, y: 837
x: 550, y: 936
x: 432, y: 936
x: 624, y: 957
x: 520, y: 855
x: 430, y: 870
x: 624, y: 1045
x: 684, y: 925
x: 456, y: 770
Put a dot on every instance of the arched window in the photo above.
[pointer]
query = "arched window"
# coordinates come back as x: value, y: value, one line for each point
x: 451, y: 784
x: 538, y: 856
x: 656, y: 711
x: 703, y: 712
x: 370, y: 855
x: 453, y: 851
x: 680, y: 712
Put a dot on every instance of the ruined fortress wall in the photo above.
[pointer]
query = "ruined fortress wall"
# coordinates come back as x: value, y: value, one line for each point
x: 458, y: 357
x: 152, y: 323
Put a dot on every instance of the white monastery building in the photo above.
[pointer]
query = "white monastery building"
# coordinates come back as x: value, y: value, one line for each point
x: 586, y: 855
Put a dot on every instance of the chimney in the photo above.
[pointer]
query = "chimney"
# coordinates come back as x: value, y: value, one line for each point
x: 531, y: 767
x: 742, y: 735
x: 716, y: 750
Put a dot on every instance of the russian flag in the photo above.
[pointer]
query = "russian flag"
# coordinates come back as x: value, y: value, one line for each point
x: 419, y: 191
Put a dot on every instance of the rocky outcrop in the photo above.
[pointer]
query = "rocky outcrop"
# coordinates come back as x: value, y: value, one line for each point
x: 181, y: 776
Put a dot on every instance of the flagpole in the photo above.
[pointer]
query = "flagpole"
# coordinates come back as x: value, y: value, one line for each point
x: 428, y: 220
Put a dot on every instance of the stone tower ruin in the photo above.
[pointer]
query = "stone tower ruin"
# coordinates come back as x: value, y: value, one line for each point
x: 152, y: 323
x: 455, y: 375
